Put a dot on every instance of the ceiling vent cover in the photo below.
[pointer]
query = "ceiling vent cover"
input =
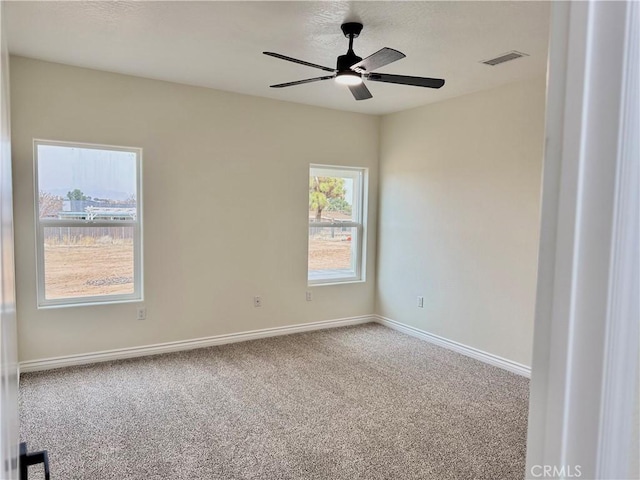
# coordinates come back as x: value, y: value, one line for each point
x: 505, y: 57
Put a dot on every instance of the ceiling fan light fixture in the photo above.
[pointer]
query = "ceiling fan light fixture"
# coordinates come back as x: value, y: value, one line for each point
x: 348, y: 78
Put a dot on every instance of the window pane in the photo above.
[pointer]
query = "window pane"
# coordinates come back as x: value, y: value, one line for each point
x: 332, y: 252
x: 88, y: 261
x: 86, y: 183
x: 331, y: 198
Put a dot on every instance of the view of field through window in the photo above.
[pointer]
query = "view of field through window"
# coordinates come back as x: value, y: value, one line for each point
x: 81, y: 262
x: 87, y: 203
x: 331, y: 251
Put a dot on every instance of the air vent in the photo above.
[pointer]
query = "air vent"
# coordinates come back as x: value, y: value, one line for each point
x: 505, y: 57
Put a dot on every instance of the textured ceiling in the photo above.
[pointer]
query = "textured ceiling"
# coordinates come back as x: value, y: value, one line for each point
x: 220, y: 44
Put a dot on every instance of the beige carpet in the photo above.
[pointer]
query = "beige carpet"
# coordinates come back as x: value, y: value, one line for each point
x: 361, y: 402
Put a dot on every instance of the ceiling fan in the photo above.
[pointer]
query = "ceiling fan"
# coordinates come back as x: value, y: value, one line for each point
x: 351, y: 70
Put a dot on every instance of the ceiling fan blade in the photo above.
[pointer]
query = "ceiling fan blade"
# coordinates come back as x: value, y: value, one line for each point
x: 301, y: 62
x: 406, y: 80
x: 382, y: 57
x: 300, y: 82
x: 360, y: 92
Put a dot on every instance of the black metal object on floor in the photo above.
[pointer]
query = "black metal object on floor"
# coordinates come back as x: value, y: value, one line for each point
x: 33, y: 458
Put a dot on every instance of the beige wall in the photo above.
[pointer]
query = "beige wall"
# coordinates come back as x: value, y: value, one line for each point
x: 225, y: 205
x: 458, y: 217
x: 225, y: 192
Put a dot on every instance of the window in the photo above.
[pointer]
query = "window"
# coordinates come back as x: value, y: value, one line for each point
x: 88, y: 223
x: 336, y: 230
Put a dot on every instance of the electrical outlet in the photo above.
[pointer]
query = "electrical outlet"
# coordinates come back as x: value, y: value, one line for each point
x: 142, y: 313
x: 257, y: 301
x: 421, y: 302
x: 309, y: 296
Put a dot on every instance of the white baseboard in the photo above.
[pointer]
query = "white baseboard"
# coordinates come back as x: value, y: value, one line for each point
x: 485, y: 357
x: 122, y: 353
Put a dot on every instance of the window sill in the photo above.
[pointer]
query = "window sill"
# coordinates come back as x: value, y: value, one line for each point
x: 48, y: 306
x: 332, y: 282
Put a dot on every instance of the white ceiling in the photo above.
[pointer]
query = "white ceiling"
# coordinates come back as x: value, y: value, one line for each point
x: 220, y: 44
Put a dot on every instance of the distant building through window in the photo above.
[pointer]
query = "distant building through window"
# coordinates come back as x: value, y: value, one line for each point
x: 336, y: 228
x: 88, y: 223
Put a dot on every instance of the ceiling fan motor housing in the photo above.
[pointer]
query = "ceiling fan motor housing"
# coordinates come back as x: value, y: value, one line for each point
x: 345, y: 61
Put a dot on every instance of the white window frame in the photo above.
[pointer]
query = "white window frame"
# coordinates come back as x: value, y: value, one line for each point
x: 358, y: 208
x: 136, y: 223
